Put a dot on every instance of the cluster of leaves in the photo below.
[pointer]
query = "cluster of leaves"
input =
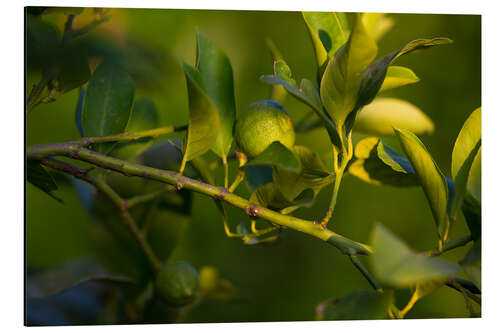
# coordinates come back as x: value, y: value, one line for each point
x: 343, y: 99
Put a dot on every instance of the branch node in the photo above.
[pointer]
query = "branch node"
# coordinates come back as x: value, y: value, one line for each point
x: 252, y: 210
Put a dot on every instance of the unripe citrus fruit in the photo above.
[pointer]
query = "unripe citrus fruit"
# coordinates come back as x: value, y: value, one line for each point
x: 260, y: 125
x: 178, y: 284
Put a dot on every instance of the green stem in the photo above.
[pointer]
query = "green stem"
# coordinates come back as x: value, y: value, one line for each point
x: 115, y: 198
x: 451, y: 244
x: 237, y: 181
x: 368, y: 276
x: 336, y: 188
x: 409, y: 306
x: 76, y: 151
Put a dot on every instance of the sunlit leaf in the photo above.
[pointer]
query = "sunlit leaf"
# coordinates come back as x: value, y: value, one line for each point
x: 431, y: 178
x: 204, y: 121
x: 39, y: 177
x: 53, y: 281
x: 277, y: 155
x: 377, y: 24
x: 465, y: 150
x: 423, y: 289
x: 327, y: 32
x: 314, y: 175
x: 395, y: 264
x: 359, y: 305
x: 378, y: 164
x: 375, y: 74
x: 216, y: 74
x: 342, y: 78
x: 383, y: 114
x: 268, y: 195
x: 472, y: 264
x: 108, y: 102
x: 398, y: 76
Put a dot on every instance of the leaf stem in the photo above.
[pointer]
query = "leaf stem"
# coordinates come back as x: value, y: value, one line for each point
x: 76, y: 151
x: 115, y: 198
x: 368, y: 276
x: 451, y: 244
x: 409, y: 306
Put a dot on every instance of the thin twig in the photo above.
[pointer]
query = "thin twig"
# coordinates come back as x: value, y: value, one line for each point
x: 83, y: 174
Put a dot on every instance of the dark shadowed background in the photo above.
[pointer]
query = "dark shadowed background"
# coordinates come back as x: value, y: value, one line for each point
x: 287, y: 279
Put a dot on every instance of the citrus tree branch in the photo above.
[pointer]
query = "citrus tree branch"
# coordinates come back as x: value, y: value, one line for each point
x: 79, y: 152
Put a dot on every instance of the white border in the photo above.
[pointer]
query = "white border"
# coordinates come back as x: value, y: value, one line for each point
x: 11, y: 304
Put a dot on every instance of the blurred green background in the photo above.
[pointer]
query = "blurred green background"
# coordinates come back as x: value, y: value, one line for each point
x: 287, y: 279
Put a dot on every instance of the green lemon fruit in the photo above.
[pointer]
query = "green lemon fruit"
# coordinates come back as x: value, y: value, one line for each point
x: 178, y: 284
x: 260, y: 125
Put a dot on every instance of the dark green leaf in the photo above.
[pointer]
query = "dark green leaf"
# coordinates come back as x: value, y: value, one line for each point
x: 375, y: 74
x: 378, y: 164
x: 277, y: 155
x: 79, y: 110
x: 465, y: 150
x: 314, y: 175
x: 204, y: 120
x: 359, y: 305
x: 472, y: 264
x: 258, y: 175
x: 216, y: 74
x: 144, y: 117
x: 398, y: 76
x: 342, y: 78
x: 432, y: 179
x: 42, y: 43
x: 39, y: 177
x: 53, y: 281
x: 108, y: 102
x: 327, y: 32
x: 395, y: 264
x: 268, y: 195
x: 381, y: 116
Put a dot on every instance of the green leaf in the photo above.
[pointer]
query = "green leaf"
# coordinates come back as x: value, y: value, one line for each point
x: 471, y: 264
x: 464, y: 153
x: 277, y: 155
x: 204, y: 121
x: 378, y: 164
x: 108, y: 103
x: 398, y: 76
x: 62, y: 278
x: 432, y: 179
x: 377, y: 24
x: 278, y: 93
x: 216, y: 75
x: 39, y: 177
x: 375, y: 74
x: 342, y: 78
x: 314, y: 175
x: 256, y: 176
x: 474, y: 181
x: 425, y: 288
x: 268, y: 195
x: 327, y: 32
x: 381, y: 116
x: 79, y: 110
x: 359, y: 305
x: 144, y: 117
x: 395, y: 264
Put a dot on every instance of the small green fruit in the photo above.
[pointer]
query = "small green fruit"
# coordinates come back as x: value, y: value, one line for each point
x: 178, y: 284
x: 263, y: 123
